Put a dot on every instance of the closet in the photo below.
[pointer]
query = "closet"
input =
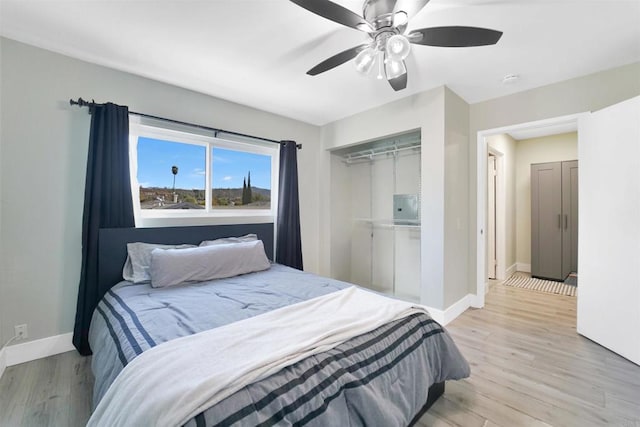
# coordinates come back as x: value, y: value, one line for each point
x: 375, y: 215
x: 554, y: 219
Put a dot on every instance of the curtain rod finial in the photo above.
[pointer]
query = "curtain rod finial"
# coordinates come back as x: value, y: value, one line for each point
x: 284, y: 141
x: 80, y: 102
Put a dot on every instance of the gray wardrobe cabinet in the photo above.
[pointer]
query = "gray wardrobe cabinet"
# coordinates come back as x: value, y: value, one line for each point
x: 554, y: 219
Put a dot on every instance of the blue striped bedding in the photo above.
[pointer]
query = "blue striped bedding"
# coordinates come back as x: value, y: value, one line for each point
x: 379, y: 378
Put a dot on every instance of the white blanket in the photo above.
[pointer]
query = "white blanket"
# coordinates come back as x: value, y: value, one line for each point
x: 174, y: 381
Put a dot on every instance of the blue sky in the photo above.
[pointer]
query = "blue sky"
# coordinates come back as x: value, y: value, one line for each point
x: 156, y: 157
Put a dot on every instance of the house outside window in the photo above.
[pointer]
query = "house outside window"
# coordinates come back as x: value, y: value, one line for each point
x: 183, y: 175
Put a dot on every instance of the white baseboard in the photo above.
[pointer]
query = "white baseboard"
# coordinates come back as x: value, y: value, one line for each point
x: 512, y: 270
x: 447, y: 315
x: 37, y: 349
x: 525, y: 268
x: 458, y: 308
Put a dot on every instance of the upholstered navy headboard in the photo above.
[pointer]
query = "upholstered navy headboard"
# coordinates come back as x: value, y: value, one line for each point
x: 112, y: 243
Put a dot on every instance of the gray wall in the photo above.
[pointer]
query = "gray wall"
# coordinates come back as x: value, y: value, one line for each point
x: 456, y: 198
x: 586, y: 93
x: 506, y: 145
x: 43, y: 161
x: 341, y: 196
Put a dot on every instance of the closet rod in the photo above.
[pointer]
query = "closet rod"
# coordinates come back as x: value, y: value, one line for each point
x: 372, y: 154
x: 82, y: 103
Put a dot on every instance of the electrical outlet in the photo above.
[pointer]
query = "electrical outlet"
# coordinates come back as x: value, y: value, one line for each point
x: 21, y: 332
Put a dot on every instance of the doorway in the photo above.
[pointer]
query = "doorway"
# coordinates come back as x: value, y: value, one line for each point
x: 484, y: 232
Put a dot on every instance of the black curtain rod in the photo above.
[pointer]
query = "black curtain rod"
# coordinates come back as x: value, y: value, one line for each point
x: 82, y: 103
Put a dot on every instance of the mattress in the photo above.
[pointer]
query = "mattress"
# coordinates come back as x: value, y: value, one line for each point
x: 377, y: 378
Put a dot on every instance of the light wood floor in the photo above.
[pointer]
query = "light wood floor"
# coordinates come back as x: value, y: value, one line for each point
x: 55, y: 391
x: 529, y: 368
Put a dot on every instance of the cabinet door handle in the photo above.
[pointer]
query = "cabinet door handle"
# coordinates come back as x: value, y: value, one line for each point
x: 566, y: 221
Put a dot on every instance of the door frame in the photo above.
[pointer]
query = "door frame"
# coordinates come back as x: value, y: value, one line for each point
x: 481, y: 187
x: 492, y: 233
x: 501, y: 210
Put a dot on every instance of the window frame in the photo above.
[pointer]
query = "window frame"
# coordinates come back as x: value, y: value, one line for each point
x: 209, y: 215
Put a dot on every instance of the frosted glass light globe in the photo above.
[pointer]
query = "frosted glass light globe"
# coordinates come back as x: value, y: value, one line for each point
x: 394, y: 68
x: 398, y: 47
x: 365, y: 60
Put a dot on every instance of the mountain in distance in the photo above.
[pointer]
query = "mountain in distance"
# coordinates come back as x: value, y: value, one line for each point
x: 162, y: 197
x: 237, y: 192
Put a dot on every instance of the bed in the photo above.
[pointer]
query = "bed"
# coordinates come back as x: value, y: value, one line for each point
x: 387, y: 371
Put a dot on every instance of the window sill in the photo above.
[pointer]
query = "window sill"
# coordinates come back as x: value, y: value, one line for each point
x: 203, y: 219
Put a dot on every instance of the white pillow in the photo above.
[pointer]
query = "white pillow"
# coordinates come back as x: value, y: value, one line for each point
x: 172, y: 266
x: 227, y: 240
x: 136, y: 267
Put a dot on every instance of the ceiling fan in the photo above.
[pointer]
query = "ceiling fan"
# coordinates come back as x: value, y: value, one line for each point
x: 385, y: 21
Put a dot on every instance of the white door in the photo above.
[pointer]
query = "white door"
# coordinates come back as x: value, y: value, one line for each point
x: 491, y: 217
x: 609, y: 228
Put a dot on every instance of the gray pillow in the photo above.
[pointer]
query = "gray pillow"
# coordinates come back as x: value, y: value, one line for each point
x: 136, y: 267
x: 172, y: 266
x: 227, y: 240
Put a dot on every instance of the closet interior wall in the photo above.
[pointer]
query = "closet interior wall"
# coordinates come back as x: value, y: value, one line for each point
x: 383, y: 255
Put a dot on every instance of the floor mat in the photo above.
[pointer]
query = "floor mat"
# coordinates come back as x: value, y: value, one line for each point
x: 525, y: 281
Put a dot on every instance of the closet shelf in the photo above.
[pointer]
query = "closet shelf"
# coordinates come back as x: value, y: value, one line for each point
x: 389, y: 223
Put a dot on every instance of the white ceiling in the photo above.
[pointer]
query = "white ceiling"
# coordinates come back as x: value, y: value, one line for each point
x: 256, y: 52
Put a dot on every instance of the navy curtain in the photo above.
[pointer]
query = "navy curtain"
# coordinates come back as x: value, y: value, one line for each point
x: 288, y: 243
x: 107, y: 203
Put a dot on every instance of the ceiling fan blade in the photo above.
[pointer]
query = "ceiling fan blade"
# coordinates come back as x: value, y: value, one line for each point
x: 399, y: 82
x: 335, y: 12
x: 410, y: 7
x: 336, y: 60
x: 454, y: 36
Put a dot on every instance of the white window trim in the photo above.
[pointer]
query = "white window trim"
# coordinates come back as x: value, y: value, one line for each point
x: 171, y: 217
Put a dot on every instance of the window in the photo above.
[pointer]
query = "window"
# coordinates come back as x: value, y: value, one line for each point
x: 162, y: 164
x: 240, y: 180
x: 182, y: 173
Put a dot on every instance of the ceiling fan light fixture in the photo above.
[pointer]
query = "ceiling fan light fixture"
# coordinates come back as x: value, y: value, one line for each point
x: 365, y: 60
x: 364, y: 27
x: 381, y: 65
x: 398, y: 47
x: 385, y: 22
x: 400, y: 18
x: 394, y: 68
